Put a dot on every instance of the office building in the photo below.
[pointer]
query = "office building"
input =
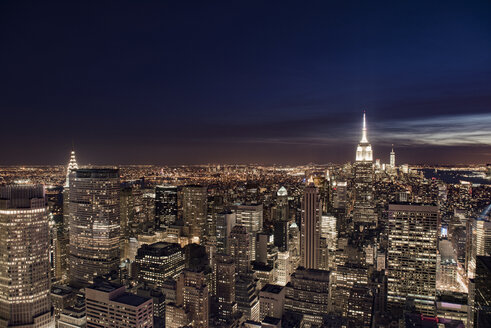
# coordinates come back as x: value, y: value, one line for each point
x: 165, y: 205
x: 240, y: 249
x: 194, y: 209
x: 412, y: 256
x: 24, y: 260
x: 310, y: 228
x: 364, y: 208
x: 225, y: 221
x: 94, y: 224
x: 109, y: 305
x: 480, y: 239
x: 225, y: 287
x: 308, y: 294
x: 192, y: 294
x: 158, y: 262
x: 251, y: 217
x: 271, y: 301
x: 392, y: 158
x: 480, y: 294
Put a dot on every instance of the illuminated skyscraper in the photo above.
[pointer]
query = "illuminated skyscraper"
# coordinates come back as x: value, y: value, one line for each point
x: 61, y: 244
x: 392, y: 158
x: 165, y: 205
x: 480, y: 243
x: 224, y: 224
x: 251, y: 217
x: 308, y: 294
x: 364, y: 209
x: 412, y: 256
x: 225, y: 282
x: 158, y: 262
x: 194, y: 208
x: 24, y: 260
x: 192, y: 294
x: 480, y: 294
x: 94, y: 224
x: 310, y: 228
x: 240, y: 249
x: 281, y: 220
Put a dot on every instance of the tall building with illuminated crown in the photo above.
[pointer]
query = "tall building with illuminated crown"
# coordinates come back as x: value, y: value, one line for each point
x: 72, y: 166
x: 364, y: 209
x: 392, y: 158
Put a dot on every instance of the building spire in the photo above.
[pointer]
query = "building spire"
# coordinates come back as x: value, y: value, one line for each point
x: 364, y: 129
x: 72, y: 165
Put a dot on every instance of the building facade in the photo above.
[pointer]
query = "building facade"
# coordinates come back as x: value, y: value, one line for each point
x: 24, y: 260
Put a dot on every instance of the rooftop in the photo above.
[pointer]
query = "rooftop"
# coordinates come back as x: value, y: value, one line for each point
x: 274, y: 289
x: 131, y: 299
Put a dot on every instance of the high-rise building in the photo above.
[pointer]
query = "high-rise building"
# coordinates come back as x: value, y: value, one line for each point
x: 194, y: 208
x: 281, y: 218
x: 480, y: 239
x: 225, y: 221
x: 240, y: 249
x: 308, y: 294
x: 310, y: 228
x: 480, y: 294
x: 61, y: 245
x: 165, y: 205
x: 24, y: 260
x: 251, y: 217
x: 412, y: 256
x: 158, y: 262
x: 247, y: 296
x: 271, y: 300
x: 192, y: 294
x: 225, y: 287
x: 392, y: 158
x: 94, y: 224
x: 364, y: 208
x: 109, y: 305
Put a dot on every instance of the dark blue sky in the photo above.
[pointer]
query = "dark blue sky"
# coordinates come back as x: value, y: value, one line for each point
x: 170, y: 82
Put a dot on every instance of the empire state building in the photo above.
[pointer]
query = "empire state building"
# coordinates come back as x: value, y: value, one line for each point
x: 363, y: 212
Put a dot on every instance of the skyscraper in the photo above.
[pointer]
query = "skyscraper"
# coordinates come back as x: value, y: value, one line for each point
x: 224, y: 223
x: 480, y: 294
x: 392, y: 158
x: 480, y: 235
x: 308, y: 294
x: 364, y: 209
x: 193, y: 295
x: 240, y: 249
x: 24, y: 260
x: 165, y: 205
x: 158, y: 262
x: 225, y: 285
x: 194, y: 208
x: 412, y: 256
x: 310, y: 228
x: 61, y: 245
x: 94, y: 224
x: 251, y: 217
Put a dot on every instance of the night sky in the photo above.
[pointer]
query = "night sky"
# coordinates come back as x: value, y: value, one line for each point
x: 180, y: 82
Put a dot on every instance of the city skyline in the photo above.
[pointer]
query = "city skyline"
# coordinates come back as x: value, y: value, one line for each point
x: 234, y: 83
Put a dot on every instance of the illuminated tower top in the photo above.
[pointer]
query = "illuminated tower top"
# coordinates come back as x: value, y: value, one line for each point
x: 364, y: 149
x: 72, y: 165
